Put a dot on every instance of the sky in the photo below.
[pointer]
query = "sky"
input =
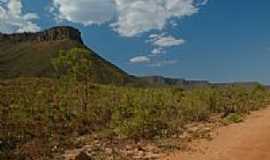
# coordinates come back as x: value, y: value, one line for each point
x: 215, y: 40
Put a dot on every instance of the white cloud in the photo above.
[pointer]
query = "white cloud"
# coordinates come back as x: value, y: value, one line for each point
x: 15, y: 7
x: 127, y: 17
x: 157, y: 51
x: 152, y: 61
x: 140, y: 60
x: 12, y: 18
x: 138, y: 16
x: 161, y: 42
x: 86, y: 12
x: 164, y: 41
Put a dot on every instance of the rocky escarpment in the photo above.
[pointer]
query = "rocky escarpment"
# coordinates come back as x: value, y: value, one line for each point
x: 31, y: 55
x: 52, y: 34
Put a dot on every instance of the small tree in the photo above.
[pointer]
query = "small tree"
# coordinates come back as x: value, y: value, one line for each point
x: 75, y: 66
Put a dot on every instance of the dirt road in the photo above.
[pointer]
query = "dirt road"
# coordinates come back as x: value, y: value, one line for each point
x: 249, y: 140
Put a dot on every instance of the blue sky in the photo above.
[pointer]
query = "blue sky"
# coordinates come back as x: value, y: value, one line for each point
x: 216, y: 40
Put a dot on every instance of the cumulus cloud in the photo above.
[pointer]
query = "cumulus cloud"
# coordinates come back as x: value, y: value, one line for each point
x: 127, y: 17
x: 12, y: 18
x: 86, y: 12
x: 140, y: 60
x: 138, y: 16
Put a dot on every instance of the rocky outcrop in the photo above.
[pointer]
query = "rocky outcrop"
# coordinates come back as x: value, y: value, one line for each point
x: 52, y: 34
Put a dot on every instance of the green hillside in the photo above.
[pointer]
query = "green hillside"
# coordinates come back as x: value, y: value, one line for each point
x: 30, y: 58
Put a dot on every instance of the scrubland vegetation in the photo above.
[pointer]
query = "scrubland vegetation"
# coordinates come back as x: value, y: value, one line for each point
x: 39, y: 117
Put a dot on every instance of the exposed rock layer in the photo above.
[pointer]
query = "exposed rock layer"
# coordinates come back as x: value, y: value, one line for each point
x: 52, y: 34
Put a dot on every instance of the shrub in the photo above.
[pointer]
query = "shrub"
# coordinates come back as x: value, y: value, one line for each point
x: 51, y: 111
x: 233, y: 118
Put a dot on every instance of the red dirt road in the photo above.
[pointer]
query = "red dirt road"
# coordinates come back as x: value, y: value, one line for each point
x: 249, y: 140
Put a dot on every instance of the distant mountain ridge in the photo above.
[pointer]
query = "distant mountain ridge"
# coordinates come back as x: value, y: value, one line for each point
x: 165, y: 81
x: 159, y: 80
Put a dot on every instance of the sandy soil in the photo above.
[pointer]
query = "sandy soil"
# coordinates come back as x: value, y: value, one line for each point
x: 249, y: 140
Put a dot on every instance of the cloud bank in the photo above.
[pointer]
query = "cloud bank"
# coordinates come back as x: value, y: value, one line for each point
x: 127, y: 17
x: 12, y: 18
x: 86, y: 12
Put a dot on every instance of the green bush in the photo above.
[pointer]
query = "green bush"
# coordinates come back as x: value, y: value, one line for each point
x: 233, y: 118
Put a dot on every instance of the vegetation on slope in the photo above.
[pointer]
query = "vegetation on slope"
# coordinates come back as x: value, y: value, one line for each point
x: 33, y: 59
x: 28, y: 59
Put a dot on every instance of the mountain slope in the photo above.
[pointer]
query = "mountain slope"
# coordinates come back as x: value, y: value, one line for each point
x: 30, y: 55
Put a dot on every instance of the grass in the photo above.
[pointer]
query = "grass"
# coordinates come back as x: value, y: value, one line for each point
x: 39, y: 116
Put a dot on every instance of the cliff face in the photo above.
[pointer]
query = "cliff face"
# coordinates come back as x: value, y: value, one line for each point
x: 52, y: 34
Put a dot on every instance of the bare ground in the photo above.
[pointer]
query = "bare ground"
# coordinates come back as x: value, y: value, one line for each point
x: 249, y: 140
